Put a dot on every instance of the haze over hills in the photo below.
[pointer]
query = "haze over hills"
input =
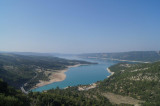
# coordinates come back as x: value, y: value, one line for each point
x: 141, y: 56
x: 132, y: 83
x: 80, y: 53
x: 38, y: 54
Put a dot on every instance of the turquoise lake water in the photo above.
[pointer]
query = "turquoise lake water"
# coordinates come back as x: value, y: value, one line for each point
x: 85, y: 74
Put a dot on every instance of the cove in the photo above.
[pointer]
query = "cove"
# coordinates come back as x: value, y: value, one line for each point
x: 82, y: 75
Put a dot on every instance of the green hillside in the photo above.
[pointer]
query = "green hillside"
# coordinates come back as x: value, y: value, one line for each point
x: 140, y: 81
x: 16, y: 70
x: 56, y: 97
x: 129, y: 85
x: 11, y: 97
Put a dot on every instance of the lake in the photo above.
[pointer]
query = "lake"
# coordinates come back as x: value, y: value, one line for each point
x: 82, y: 75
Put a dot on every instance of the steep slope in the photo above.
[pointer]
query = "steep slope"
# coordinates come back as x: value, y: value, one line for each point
x: 140, y: 81
x: 68, y: 97
x: 56, y: 97
x: 11, y: 97
x: 16, y: 70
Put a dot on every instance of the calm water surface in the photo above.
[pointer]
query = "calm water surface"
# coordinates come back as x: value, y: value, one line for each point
x: 85, y: 74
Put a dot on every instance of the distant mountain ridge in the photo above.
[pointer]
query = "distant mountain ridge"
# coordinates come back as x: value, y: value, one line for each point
x: 145, y: 56
x: 38, y: 54
x: 141, y: 56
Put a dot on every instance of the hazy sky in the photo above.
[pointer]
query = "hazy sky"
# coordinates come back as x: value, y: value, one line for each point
x: 79, y: 26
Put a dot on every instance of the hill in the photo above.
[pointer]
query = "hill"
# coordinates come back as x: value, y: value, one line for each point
x: 130, y: 84
x: 139, y: 56
x: 140, y: 81
x: 11, y: 97
x: 17, y: 70
x: 55, y: 97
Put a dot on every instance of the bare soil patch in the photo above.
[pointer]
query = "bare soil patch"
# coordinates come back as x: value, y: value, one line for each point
x: 118, y: 99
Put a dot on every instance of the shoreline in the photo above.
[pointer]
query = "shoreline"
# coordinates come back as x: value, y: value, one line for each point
x: 109, y: 72
x: 93, y: 85
x: 60, y: 76
x: 122, y: 60
x: 55, y: 77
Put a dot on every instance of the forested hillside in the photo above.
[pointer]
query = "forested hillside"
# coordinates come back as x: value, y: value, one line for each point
x: 11, y: 97
x: 56, y: 97
x: 68, y: 97
x: 141, y: 81
x: 16, y: 70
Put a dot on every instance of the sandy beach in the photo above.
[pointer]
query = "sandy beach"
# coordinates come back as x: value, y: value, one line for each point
x: 55, y: 77
x: 60, y: 76
x: 110, y: 72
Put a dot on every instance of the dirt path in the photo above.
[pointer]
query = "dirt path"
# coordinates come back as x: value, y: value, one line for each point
x: 118, y: 99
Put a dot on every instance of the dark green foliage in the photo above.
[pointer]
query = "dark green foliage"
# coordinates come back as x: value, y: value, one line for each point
x: 18, y: 69
x: 67, y: 97
x: 11, y: 97
x: 55, y: 97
